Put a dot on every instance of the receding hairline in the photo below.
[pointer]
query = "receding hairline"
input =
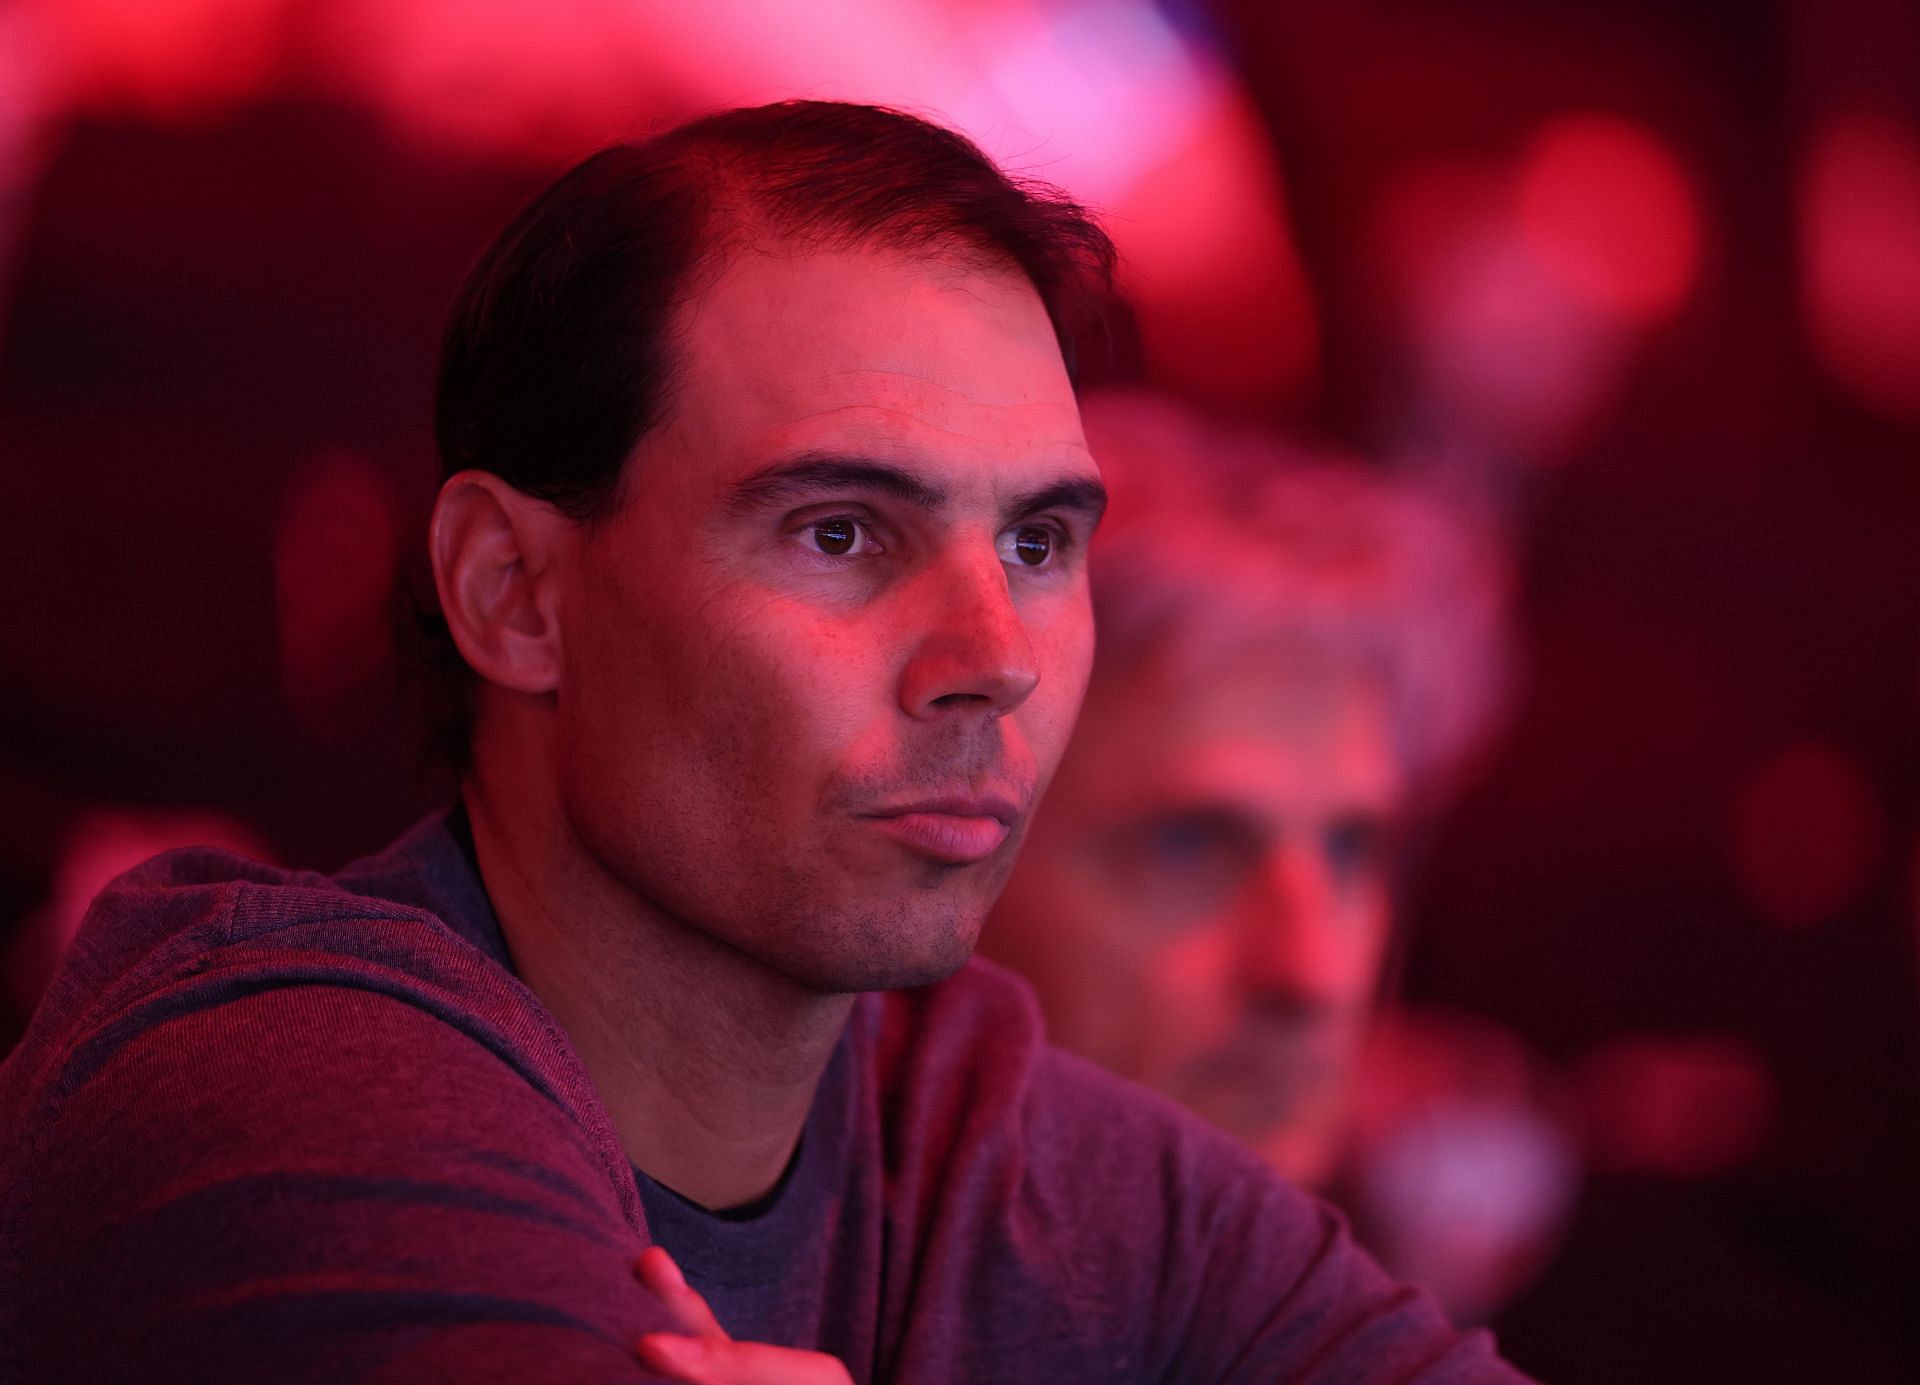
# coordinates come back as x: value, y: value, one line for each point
x: 949, y: 257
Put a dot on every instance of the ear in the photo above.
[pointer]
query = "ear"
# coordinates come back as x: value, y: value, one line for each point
x: 496, y: 553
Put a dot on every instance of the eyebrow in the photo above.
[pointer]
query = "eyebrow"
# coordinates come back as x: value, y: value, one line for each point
x: 1079, y: 493
x: 816, y: 474
x: 820, y: 475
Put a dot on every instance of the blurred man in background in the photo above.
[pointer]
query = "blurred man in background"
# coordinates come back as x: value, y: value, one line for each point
x: 1297, y: 660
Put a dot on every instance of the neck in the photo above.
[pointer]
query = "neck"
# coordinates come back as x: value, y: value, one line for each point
x: 707, y: 1060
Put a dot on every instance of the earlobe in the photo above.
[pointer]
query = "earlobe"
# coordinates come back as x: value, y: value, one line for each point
x: 493, y: 550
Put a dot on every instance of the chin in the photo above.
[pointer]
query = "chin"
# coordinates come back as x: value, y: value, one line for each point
x: 892, y: 950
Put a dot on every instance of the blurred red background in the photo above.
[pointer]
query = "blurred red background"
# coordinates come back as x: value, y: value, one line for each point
x: 1640, y: 281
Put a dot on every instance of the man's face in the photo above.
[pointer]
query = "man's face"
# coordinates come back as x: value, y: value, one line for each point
x: 820, y: 663
x: 1203, y: 905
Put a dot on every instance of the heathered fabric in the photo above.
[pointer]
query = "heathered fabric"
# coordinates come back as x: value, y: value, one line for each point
x: 275, y: 1126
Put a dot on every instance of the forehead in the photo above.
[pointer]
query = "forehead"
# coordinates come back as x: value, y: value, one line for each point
x: 1275, y: 728
x: 881, y: 351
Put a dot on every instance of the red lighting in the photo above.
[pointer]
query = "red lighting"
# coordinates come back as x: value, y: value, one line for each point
x: 334, y: 563
x: 1860, y: 271
x: 1609, y: 211
x: 1676, y: 1105
x: 1223, y: 337
x: 1807, y: 835
x: 162, y: 58
x: 1512, y: 357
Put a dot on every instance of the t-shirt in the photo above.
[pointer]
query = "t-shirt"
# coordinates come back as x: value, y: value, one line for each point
x: 276, y: 1126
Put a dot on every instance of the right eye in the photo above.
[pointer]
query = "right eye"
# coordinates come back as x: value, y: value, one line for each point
x: 1189, y: 845
x: 1180, y: 864
x: 838, y: 536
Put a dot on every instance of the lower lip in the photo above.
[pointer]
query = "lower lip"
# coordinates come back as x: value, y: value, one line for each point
x: 948, y: 837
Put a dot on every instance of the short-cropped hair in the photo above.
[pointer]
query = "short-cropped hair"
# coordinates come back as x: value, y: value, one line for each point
x: 559, y: 355
x: 1226, y: 539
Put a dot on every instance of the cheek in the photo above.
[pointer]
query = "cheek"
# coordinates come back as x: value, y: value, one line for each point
x: 753, y: 685
x: 1056, y: 923
x: 1178, y: 1007
x: 1371, y: 928
x: 1171, y: 991
x: 817, y: 697
x: 1063, y: 649
x: 1192, y: 987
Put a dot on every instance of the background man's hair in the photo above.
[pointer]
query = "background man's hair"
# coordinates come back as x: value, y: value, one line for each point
x: 559, y: 357
x: 1221, y: 539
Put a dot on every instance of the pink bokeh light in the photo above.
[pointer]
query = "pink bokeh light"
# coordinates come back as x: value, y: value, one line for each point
x: 1860, y: 267
x: 1607, y: 206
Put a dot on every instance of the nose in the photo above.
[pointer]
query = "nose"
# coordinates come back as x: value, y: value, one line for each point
x: 973, y: 652
x: 1299, y: 944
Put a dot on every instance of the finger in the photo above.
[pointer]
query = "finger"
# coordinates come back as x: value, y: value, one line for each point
x: 756, y: 1363
x: 678, y: 1358
x: 714, y: 1361
x: 656, y: 1270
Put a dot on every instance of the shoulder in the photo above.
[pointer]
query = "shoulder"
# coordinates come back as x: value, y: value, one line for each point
x: 253, y: 1089
x: 203, y: 958
x: 1171, y: 1247
x: 978, y: 1038
x: 1124, y: 1189
x: 192, y: 927
x: 982, y: 1013
x: 977, y: 1043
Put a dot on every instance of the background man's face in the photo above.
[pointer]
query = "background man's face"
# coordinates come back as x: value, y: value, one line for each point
x: 1203, y: 904
x: 846, y: 579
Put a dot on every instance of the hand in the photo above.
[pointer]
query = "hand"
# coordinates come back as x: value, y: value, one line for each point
x: 705, y: 1354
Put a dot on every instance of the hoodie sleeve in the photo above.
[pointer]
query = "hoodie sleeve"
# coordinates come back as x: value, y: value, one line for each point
x: 306, y: 1154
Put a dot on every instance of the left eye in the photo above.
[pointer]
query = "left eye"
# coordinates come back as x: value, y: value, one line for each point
x: 1355, y: 845
x: 1031, y: 545
x: 836, y: 537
